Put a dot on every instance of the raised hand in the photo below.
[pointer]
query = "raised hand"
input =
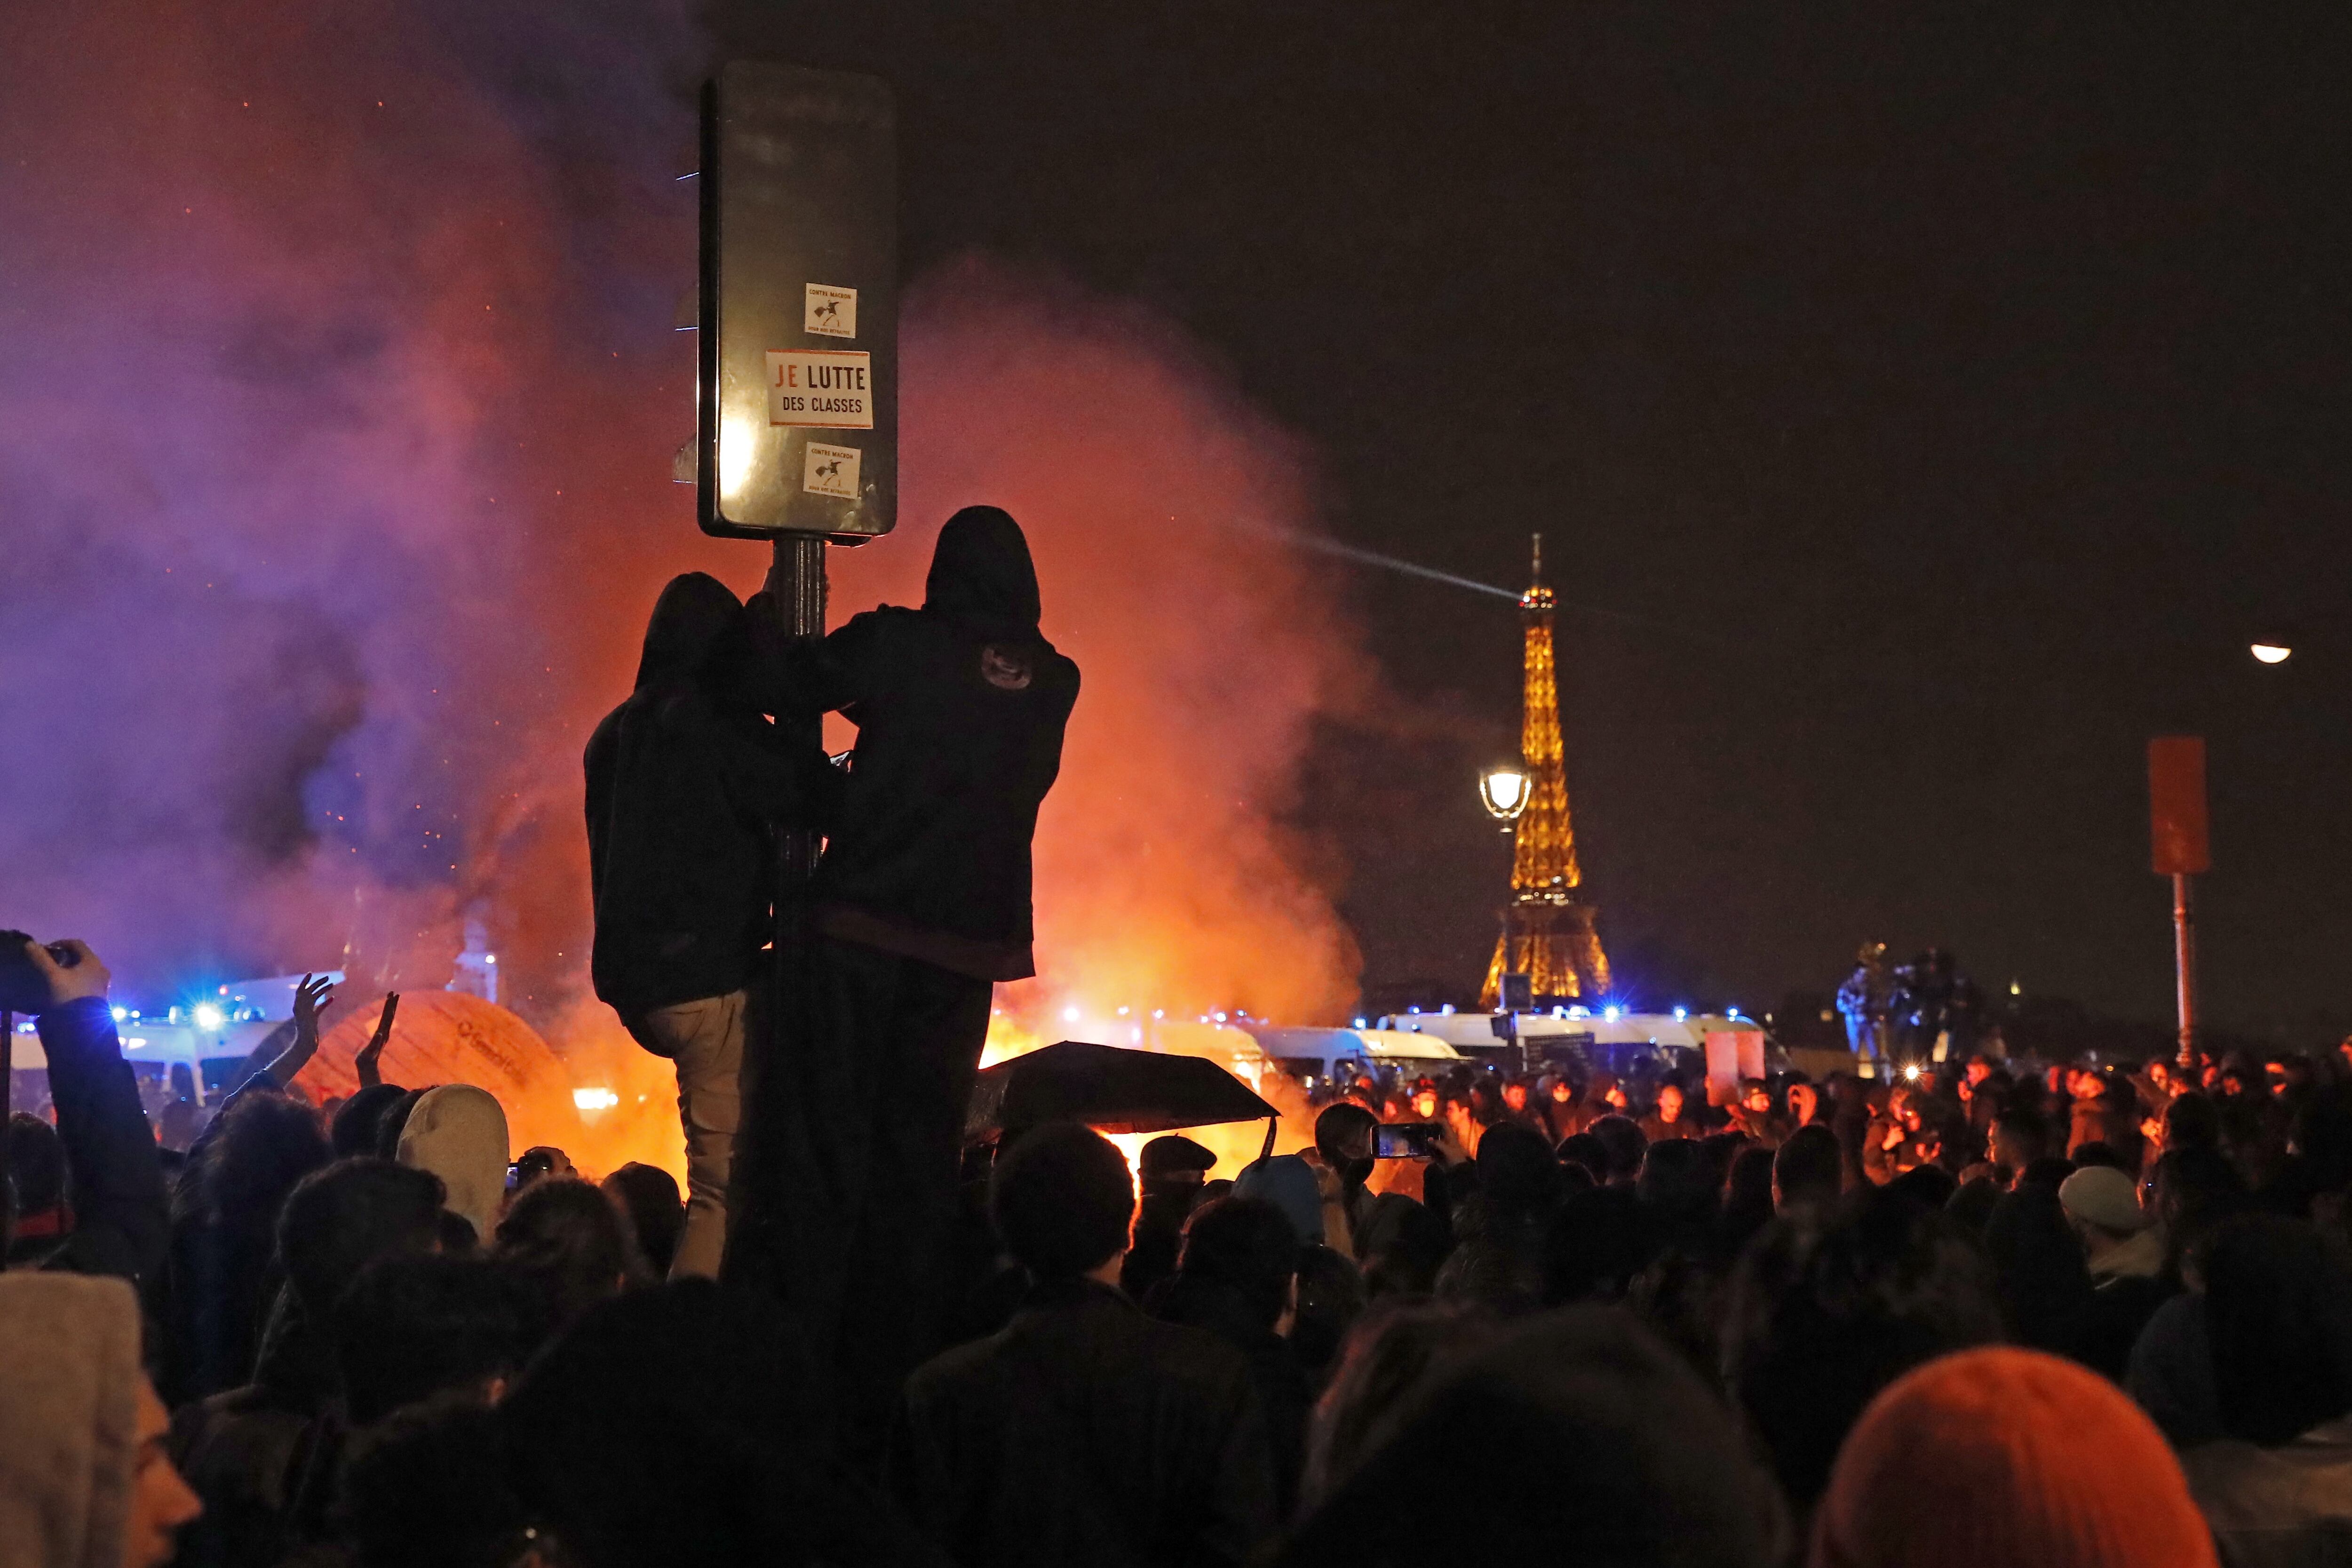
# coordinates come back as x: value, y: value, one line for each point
x: 373, y: 1052
x: 83, y: 976
x: 312, y: 997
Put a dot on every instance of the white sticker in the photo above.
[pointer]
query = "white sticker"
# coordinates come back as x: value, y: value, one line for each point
x: 832, y: 311
x: 826, y: 389
x: 830, y: 471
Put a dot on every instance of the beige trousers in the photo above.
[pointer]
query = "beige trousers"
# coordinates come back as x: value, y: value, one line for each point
x: 705, y: 1039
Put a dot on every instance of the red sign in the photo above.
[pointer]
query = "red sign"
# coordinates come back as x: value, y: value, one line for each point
x: 2176, y: 804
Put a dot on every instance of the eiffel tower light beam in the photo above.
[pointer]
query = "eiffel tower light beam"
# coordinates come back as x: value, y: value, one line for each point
x: 1548, y: 929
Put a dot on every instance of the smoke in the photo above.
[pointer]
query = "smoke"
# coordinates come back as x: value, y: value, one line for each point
x: 1148, y: 490
x: 335, y: 420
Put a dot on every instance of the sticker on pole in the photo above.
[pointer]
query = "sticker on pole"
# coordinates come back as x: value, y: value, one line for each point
x: 824, y: 389
x: 830, y: 471
x: 831, y: 312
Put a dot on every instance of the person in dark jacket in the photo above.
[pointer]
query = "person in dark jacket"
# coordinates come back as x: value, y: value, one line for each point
x: 121, y: 1217
x: 1083, y: 1432
x: 1239, y: 1280
x: 922, y: 903
x: 684, y: 780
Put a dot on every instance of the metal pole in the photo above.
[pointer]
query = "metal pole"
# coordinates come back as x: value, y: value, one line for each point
x: 8, y: 1061
x: 767, y: 1144
x: 2184, y: 958
x: 796, y: 578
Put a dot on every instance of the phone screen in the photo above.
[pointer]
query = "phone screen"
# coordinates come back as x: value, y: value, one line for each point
x: 1404, y: 1140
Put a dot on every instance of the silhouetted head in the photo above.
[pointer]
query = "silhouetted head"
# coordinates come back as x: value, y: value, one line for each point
x: 1063, y: 1201
x: 649, y: 1197
x: 980, y: 571
x: 573, y: 1243
x: 1246, y: 1246
x: 695, y: 613
x: 264, y: 1144
x: 1829, y: 1306
x: 342, y: 1218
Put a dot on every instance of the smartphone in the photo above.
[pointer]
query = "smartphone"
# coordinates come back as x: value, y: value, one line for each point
x: 1406, y: 1140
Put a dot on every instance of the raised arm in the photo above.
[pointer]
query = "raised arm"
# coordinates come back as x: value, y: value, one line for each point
x: 312, y: 997
x: 121, y: 1218
x: 371, y: 1054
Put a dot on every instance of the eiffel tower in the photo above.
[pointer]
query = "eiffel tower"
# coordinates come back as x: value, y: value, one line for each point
x: 1548, y: 931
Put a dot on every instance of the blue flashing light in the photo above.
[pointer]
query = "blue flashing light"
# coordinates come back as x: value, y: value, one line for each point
x: 122, y: 1014
x: 1448, y: 1009
x: 1680, y: 1014
x: 1359, y: 1023
x: 208, y: 1017
x: 1611, y: 1012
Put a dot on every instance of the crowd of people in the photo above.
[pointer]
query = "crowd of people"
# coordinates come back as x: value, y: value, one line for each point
x: 1986, y: 1315
x: 1975, y: 1314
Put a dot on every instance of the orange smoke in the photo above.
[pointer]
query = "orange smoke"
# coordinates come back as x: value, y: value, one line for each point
x: 1166, y: 876
x: 337, y: 426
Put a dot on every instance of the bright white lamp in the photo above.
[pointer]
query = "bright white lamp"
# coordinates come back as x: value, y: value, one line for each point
x: 1504, y: 793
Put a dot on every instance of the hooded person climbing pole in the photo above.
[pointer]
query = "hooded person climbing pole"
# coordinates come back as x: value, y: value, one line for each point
x: 685, y: 780
x: 922, y: 903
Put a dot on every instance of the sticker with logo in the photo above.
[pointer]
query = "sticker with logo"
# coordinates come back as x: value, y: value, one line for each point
x: 830, y: 471
x: 830, y: 311
x: 1005, y: 667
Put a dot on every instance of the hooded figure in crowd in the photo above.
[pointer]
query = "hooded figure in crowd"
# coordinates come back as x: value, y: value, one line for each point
x: 84, y: 1480
x: 459, y: 1133
x: 685, y: 782
x: 922, y: 903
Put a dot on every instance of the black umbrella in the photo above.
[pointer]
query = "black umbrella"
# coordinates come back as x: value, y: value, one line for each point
x: 1108, y: 1088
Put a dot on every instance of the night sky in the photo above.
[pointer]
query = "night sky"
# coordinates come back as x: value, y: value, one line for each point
x: 1921, y: 411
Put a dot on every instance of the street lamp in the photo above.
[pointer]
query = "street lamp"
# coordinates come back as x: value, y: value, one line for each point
x: 2273, y: 653
x: 1503, y: 791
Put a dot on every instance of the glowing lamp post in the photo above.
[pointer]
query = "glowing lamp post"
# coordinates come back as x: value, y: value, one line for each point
x: 1504, y: 793
x: 2271, y: 652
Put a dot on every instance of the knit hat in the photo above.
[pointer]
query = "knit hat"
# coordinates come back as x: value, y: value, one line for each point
x: 459, y: 1133
x: 68, y: 1419
x: 2104, y: 1196
x: 2058, y: 1470
x: 1287, y: 1183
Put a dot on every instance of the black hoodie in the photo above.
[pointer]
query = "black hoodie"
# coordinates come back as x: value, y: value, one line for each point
x: 682, y: 786
x: 959, y: 708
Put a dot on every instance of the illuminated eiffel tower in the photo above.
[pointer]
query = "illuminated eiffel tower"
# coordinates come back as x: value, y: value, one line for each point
x: 1548, y: 931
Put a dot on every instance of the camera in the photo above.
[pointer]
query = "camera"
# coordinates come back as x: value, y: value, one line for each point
x: 23, y: 988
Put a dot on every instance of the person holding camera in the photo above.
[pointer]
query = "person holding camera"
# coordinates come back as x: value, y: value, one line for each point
x: 121, y: 1219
